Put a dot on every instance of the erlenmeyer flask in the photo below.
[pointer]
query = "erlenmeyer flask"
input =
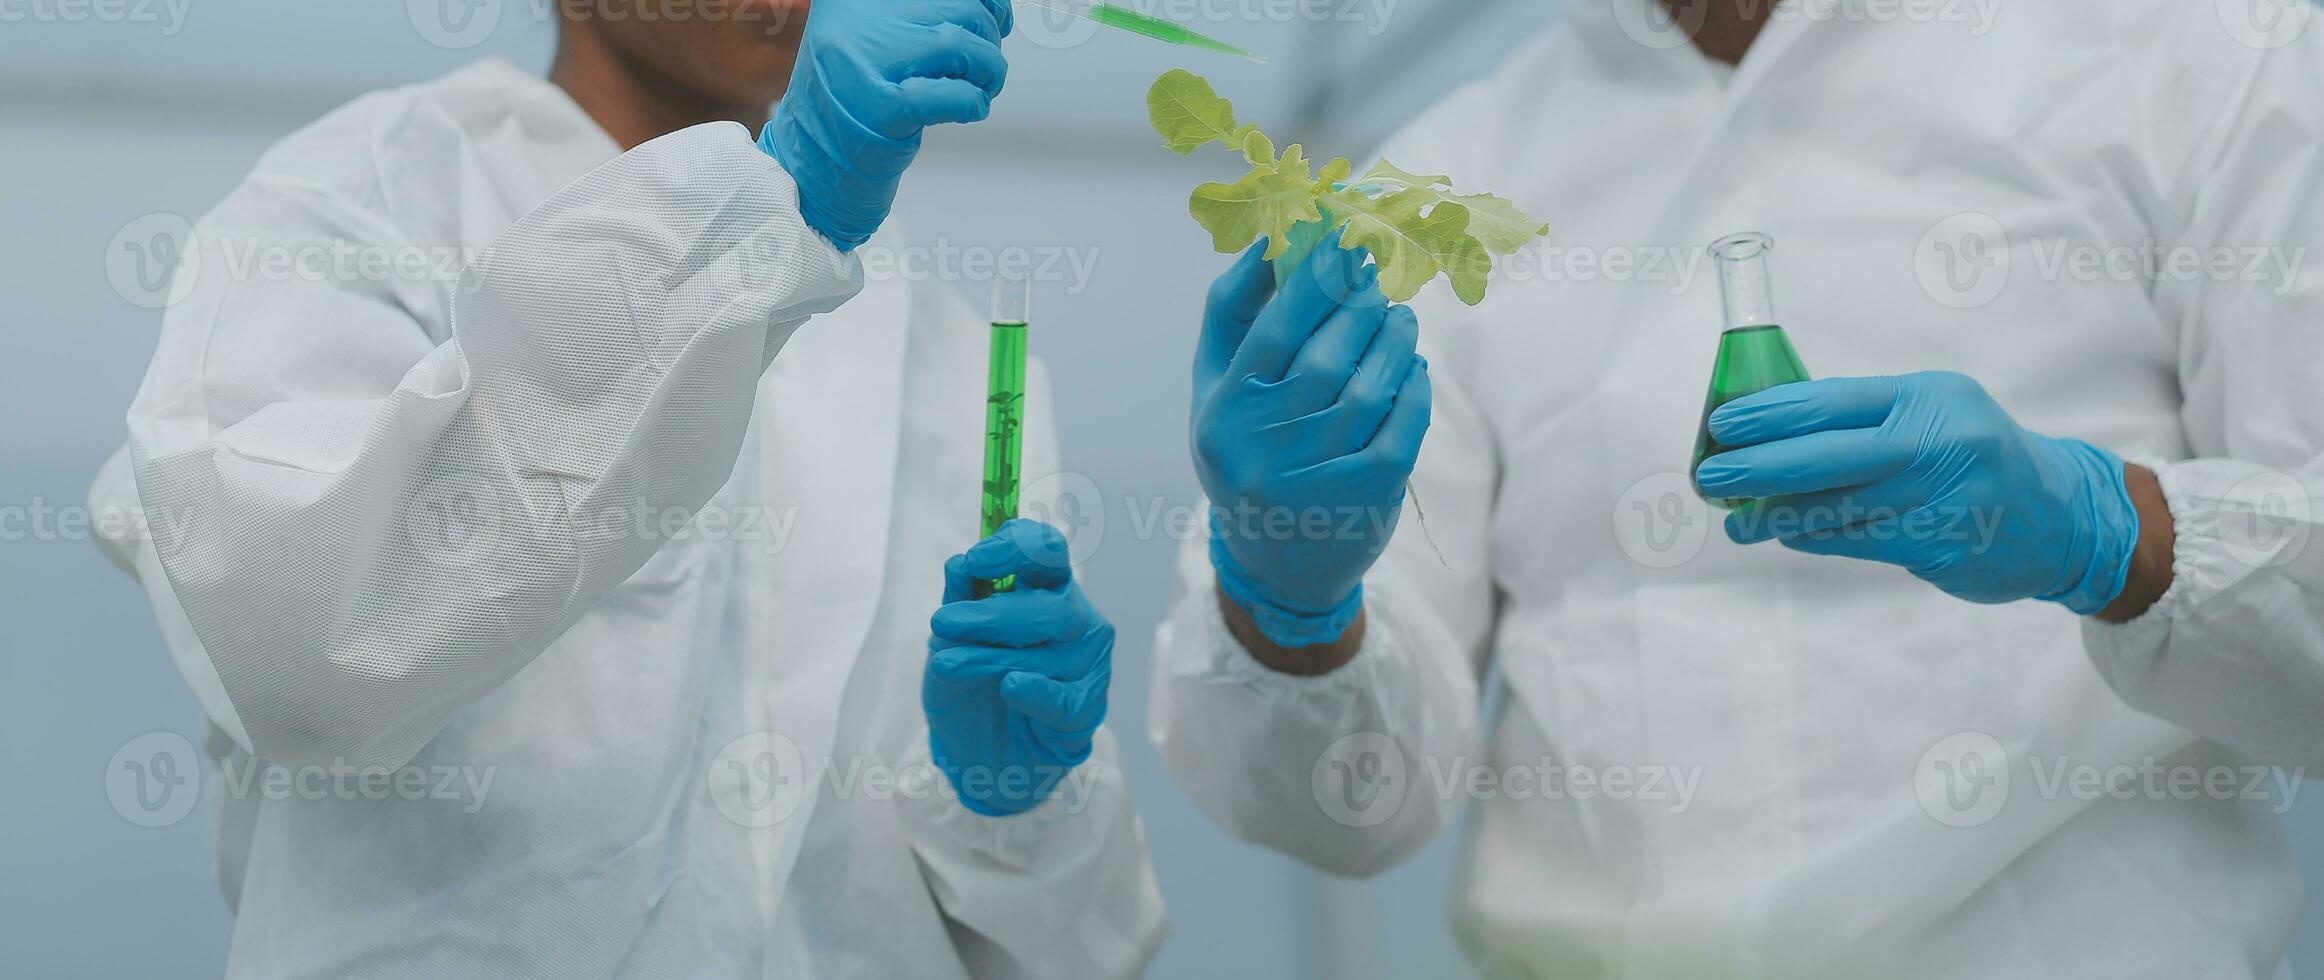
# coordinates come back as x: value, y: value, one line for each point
x: 1754, y: 352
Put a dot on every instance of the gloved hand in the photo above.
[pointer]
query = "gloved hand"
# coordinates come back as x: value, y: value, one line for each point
x: 871, y: 74
x: 1309, y: 409
x: 1926, y: 472
x: 1016, y: 682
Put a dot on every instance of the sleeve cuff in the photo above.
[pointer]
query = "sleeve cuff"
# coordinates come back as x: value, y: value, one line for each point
x: 1231, y: 662
x: 1014, y: 840
x: 2204, y: 549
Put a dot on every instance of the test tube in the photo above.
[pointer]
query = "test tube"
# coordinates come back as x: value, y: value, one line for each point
x: 1004, y: 407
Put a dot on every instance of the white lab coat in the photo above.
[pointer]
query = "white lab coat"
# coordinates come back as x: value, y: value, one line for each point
x: 1812, y: 697
x: 396, y: 520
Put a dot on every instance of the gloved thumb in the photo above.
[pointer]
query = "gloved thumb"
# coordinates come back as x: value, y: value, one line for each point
x: 1066, y: 709
x: 1236, y: 298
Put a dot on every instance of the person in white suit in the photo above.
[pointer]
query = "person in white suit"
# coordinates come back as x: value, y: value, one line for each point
x: 1722, y: 758
x: 641, y: 520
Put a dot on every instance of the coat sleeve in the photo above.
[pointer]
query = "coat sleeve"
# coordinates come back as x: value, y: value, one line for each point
x: 1331, y: 769
x: 1066, y: 889
x: 2234, y: 651
x: 354, y: 528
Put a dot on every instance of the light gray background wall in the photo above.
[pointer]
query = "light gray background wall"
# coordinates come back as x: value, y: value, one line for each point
x: 102, y: 122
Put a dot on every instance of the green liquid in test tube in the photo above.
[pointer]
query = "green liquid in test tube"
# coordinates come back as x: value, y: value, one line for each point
x: 1754, y: 352
x: 1004, y: 409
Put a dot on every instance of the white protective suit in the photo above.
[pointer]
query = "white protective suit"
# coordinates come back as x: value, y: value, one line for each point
x: 1832, y: 829
x: 401, y: 520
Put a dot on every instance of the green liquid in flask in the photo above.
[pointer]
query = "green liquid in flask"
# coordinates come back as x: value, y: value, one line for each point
x: 1004, y: 414
x: 1754, y: 352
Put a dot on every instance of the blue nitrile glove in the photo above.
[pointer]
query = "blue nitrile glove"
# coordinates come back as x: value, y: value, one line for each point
x: 1309, y: 409
x: 1926, y: 472
x: 1016, y: 682
x: 871, y: 74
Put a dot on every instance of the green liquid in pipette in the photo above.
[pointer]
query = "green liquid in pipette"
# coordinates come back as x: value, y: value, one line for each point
x: 1168, y: 32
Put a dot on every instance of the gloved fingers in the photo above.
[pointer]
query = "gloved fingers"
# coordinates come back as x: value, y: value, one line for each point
x: 1307, y: 299
x: 1036, y: 553
x: 970, y: 663
x: 1014, y: 619
x: 1371, y: 392
x: 1236, y: 297
x: 1397, y: 444
x: 1076, y: 708
x: 1802, y: 407
x: 1887, y: 507
x: 986, y: 19
x: 1825, y: 460
x: 954, y: 51
x: 1003, y: 14
x: 1331, y: 355
x: 959, y: 585
x: 924, y: 102
x: 1065, y: 661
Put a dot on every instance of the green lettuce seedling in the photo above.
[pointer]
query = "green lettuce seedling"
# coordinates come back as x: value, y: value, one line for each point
x: 1415, y: 227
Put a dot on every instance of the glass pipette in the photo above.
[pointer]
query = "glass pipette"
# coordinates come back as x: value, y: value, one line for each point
x: 1124, y: 18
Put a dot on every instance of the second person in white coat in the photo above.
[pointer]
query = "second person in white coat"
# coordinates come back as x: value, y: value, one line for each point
x: 1729, y: 760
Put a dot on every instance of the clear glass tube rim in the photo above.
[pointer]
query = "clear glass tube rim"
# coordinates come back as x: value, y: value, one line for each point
x: 1012, y: 298
x: 1742, y: 246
